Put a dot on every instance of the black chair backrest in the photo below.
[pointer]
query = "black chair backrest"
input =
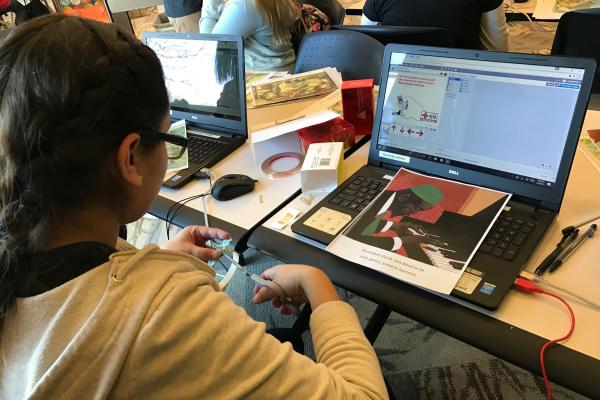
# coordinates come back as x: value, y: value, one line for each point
x: 578, y: 35
x: 32, y: 9
x: 419, y: 35
x: 334, y: 10
x: 356, y: 56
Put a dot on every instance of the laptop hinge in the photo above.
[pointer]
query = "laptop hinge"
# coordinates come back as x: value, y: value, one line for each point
x: 517, y: 204
x: 530, y: 205
x: 207, y: 132
x: 388, y: 166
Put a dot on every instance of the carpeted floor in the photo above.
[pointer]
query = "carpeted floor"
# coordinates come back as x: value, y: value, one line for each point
x: 417, y: 361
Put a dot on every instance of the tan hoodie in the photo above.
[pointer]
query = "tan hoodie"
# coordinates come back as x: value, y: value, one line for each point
x: 151, y: 324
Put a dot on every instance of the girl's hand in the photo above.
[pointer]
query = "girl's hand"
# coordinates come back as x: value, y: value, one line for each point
x: 301, y: 283
x: 192, y: 240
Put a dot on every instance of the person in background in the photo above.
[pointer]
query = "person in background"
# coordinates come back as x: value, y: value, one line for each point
x: 265, y: 25
x: 475, y: 24
x: 85, y: 315
x: 184, y: 15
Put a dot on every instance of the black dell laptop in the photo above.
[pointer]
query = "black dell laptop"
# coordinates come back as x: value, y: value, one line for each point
x: 204, y: 74
x: 505, y: 121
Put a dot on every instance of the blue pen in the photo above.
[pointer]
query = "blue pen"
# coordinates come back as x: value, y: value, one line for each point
x: 571, y: 249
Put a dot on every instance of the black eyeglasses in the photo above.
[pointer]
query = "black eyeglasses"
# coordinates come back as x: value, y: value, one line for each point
x: 176, y: 144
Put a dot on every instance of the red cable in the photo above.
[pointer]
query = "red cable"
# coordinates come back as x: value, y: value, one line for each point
x: 528, y: 286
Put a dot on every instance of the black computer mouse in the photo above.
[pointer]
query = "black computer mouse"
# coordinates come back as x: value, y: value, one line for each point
x: 231, y: 186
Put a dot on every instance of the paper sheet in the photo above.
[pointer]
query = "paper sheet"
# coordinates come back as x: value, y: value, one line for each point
x: 422, y: 230
x: 281, y: 127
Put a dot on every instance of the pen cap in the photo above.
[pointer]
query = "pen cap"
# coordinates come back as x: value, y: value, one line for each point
x: 568, y: 230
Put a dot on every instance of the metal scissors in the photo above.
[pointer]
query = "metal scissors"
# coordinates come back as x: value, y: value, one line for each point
x: 287, y: 301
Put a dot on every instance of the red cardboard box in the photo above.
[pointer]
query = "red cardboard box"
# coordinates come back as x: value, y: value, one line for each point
x: 336, y: 130
x: 357, y: 101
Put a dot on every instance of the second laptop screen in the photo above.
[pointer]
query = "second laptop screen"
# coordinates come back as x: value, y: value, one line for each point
x: 201, y: 75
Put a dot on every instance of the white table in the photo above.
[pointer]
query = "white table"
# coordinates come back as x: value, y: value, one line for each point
x: 247, y: 210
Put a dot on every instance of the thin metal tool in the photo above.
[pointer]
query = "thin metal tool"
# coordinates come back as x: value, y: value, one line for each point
x: 266, y: 283
x: 587, y: 222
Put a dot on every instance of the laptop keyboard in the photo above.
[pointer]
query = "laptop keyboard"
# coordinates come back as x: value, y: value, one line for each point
x: 200, y: 149
x: 358, y: 194
x: 507, y: 236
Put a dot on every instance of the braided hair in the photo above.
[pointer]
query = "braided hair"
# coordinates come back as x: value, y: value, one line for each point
x: 70, y: 90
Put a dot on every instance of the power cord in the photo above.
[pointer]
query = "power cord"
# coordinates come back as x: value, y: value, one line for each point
x: 528, y: 286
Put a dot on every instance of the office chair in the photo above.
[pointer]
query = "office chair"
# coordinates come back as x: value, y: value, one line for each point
x: 421, y: 35
x: 356, y: 56
x: 577, y: 36
x: 334, y: 10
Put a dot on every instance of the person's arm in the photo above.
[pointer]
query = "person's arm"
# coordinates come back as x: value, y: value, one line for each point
x: 239, y: 17
x: 370, y: 13
x: 196, y: 343
x: 211, y: 10
x: 494, y: 30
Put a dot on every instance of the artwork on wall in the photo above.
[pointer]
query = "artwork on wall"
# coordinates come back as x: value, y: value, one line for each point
x: 92, y: 9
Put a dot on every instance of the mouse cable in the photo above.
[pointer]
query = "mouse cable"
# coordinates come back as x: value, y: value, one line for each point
x: 177, y: 207
x: 540, y: 281
x: 525, y: 285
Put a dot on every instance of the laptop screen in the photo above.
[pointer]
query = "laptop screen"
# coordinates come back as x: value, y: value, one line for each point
x: 510, y: 120
x: 202, y: 75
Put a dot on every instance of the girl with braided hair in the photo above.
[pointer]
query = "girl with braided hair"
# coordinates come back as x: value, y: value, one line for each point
x: 82, y: 315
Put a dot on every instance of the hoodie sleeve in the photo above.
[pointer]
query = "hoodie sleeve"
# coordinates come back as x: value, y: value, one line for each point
x: 239, y: 17
x: 196, y: 343
x: 211, y: 11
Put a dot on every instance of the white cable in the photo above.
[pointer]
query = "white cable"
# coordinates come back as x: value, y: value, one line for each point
x: 574, y: 296
x: 205, y: 211
x: 232, y: 269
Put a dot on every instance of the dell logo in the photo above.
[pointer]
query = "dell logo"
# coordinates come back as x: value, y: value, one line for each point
x: 453, y: 172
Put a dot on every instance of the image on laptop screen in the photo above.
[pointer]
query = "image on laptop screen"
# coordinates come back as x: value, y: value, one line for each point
x: 201, y: 76
x: 479, y: 115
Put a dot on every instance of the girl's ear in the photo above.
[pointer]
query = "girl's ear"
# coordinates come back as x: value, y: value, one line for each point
x: 128, y: 159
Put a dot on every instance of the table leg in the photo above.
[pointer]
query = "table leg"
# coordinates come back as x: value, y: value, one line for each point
x: 376, y: 323
x: 301, y: 323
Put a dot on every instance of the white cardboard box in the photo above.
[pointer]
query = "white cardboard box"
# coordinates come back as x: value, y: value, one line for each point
x: 322, y: 167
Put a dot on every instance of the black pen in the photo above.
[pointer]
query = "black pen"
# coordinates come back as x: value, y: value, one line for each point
x: 564, y: 242
x: 574, y: 245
